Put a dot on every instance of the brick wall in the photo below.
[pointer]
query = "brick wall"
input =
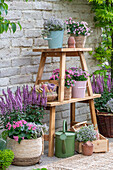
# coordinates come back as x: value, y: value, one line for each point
x: 19, y: 65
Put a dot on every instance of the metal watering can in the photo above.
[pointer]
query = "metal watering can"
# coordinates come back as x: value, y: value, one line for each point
x: 55, y: 39
x: 64, y: 142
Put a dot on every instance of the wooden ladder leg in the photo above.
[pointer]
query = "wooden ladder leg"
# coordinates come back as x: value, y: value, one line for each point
x: 41, y: 68
x: 51, y: 131
x: 93, y: 114
x: 72, y: 114
x: 62, y: 77
x: 84, y: 67
x: 90, y: 91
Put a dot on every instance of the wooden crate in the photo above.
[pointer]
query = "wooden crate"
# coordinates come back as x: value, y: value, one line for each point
x: 101, y: 145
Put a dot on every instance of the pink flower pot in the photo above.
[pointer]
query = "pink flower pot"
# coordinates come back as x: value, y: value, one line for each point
x: 78, y: 91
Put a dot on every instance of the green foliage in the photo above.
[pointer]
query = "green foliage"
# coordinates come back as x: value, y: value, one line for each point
x: 100, y: 103
x: 6, y: 158
x: 2, y: 144
x: 5, y: 24
x: 103, y: 10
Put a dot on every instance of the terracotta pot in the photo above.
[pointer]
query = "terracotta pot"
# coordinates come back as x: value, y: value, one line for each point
x: 87, y: 148
x: 71, y: 42
x: 80, y: 41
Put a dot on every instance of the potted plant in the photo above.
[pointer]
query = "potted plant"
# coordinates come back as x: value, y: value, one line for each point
x: 25, y: 140
x: 79, y: 30
x: 54, y: 31
x: 69, y: 82
x: 86, y: 135
x: 17, y: 111
x: 80, y: 77
x: 6, y: 158
x: 104, y: 105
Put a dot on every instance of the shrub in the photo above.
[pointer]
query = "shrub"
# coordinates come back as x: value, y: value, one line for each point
x: 6, y: 158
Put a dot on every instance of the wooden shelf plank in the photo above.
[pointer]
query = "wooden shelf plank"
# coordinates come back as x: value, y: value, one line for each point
x: 73, y: 100
x: 62, y: 50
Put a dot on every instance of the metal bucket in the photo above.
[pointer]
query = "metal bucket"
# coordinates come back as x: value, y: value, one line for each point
x: 64, y: 142
x: 55, y: 39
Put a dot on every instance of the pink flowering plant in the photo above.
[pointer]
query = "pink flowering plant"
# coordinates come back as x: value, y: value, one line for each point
x: 20, y: 130
x: 79, y: 74
x: 77, y: 28
x: 69, y: 82
x: 22, y: 105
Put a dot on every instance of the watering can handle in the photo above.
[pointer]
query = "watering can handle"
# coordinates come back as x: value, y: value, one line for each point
x: 64, y: 126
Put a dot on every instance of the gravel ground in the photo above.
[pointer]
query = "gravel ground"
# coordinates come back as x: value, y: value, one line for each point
x: 96, y: 161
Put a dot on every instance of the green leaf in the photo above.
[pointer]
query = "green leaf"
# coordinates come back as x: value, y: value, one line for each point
x: 13, y: 26
x: 19, y: 25
x: 1, y: 28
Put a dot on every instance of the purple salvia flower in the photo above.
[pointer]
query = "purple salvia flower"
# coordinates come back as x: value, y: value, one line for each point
x: 43, y: 92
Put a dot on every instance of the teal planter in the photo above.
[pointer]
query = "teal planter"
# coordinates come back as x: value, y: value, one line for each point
x: 64, y: 142
x: 55, y: 39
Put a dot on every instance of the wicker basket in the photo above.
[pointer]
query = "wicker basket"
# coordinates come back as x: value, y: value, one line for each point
x: 52, y: 96
x: 67, y: 93
x: 105, y: 123
x: 28, y: 152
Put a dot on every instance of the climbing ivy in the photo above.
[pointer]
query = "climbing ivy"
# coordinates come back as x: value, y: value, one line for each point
x: 103, y: 10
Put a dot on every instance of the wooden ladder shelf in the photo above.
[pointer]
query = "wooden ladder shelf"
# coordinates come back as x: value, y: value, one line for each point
x: 63, y: 53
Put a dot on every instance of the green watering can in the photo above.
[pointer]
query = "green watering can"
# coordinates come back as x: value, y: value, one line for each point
x: 64, y: 142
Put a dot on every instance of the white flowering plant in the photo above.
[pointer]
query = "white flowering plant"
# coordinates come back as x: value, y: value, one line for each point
x: 77, y: 28
x: 86, y: 133
x: 52, y: 24
x: 109, y: 106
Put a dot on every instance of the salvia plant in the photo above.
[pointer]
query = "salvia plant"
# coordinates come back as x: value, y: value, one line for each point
x: 22, y: 105
x: 86, y: 133
x: 21, y: 130
x: 104, y: 86
x: 99, y: 84
x: 52, y: 24
x: 77, y: 28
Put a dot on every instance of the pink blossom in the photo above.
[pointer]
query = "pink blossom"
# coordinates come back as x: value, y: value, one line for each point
x: 24, y: 122
x: 9, y: 127
x: 14, y: 126
x: 17, y: 124
x: 15, y: 138
x: 29, y: 128
x: 34, y: 128
x: 22, y: 137
x: 70, y: 18
x: 7, y: 124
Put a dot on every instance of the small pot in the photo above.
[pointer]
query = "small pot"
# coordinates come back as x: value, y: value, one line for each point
x: 87, y: 148
x: 71, y: 42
